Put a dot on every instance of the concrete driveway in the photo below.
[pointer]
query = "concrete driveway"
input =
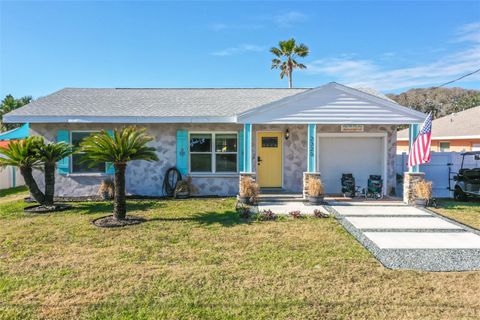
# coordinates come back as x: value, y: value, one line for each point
x: 404, y: 237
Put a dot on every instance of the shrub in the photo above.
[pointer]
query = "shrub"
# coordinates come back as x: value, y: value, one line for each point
x: 243, y: 212
x: 107, y: 187
x: 315, y: 187
x: 320, y: 214
x: 249, y: 189
x: 296, y: 214
x: 423, y: 190
x: 185, y: 186
x: 267, y: 215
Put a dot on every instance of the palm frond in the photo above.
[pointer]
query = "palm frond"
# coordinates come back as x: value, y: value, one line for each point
x: 21, y: 153
x: 129, y: 143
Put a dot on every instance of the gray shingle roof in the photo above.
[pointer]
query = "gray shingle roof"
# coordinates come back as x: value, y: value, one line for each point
x: 464, y: 123
x: 152, y: 102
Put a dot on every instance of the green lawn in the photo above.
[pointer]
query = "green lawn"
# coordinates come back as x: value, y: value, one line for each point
x: 197, y: 259
x: 464, y: 212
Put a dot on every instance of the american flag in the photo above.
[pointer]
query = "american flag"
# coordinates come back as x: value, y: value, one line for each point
x: 420, y: 150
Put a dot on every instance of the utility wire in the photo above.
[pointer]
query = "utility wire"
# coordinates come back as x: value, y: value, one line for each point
x: 464, y: 76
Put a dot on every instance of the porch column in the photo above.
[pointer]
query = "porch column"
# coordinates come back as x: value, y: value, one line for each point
x: 311, y: 158
x: 247, y: 147
x: 312, y: 148
x: 412, y: 134
x: 246, y: 154
x: 413, y: 175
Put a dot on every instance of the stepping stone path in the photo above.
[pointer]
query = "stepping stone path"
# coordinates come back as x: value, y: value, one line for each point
x: 404, y: 237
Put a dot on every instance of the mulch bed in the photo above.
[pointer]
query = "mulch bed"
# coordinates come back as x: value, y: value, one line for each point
x: 42, y: 209
x: 111, y: 222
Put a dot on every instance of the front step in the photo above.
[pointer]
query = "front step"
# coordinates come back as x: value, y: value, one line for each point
x: 279, y: 198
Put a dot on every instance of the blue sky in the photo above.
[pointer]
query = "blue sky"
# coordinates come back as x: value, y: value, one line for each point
x: 391, y: 46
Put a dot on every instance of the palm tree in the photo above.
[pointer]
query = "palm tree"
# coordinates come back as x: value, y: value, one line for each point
x: 124, y: 145
x: 286, y: 53
x: 9, y: 103
x: 23, y: 154
x: 49, y: 154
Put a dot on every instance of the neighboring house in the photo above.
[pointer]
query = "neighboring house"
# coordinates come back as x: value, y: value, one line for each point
x: 218, y: 135
x: 455, y: 132
x: 10, y: 176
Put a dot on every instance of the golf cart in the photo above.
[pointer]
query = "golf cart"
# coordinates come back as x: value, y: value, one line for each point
x: 467, y: 180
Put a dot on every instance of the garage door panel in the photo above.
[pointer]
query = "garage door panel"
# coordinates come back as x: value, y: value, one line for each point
x: 360, y: 156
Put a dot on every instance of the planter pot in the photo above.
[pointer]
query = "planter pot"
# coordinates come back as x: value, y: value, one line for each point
x: 315, y: 199
x: 245, y: 200
x: 182, y: 195
x: 421, y: 202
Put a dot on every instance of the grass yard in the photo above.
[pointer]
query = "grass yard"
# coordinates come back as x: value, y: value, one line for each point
x: 198, y: 259
x: 464, y: 212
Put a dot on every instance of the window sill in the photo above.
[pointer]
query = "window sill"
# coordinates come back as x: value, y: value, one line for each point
x: 88, y: 175
x: 213, y: 175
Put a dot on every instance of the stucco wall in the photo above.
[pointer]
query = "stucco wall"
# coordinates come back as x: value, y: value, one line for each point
x: 143, y: 178
x: 146, y: 178
x: 391, y: 131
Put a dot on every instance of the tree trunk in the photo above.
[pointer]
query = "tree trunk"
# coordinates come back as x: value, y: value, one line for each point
x: 120, y: 202
x: 49, y: 169
x: 290, y: 84
x: 32, y: 186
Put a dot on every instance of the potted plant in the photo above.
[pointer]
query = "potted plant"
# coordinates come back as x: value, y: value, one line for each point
x: 423, y: 193
x: 107, y: 189
x: 315, y: 191
x: 248, y: 192
x: 184, y: 188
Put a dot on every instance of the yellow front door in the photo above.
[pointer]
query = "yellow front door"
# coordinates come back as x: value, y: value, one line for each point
x: 269, y: 159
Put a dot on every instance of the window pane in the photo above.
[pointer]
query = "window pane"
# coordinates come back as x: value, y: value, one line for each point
x: 79, y: 167
x: 226, y: 163
x: 226, y: 143
x: 200, y: 162
x: 200, y: 142
x: 269, y: 142
x: 77, y: 137
x: 444, y: 146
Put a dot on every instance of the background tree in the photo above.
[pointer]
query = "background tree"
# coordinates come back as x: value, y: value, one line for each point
x: 441, y: 101
x: 125, y: 145
x: 286, y: 55
x: 23, y: 154
x: 9, y: 103
x: 49, y: 154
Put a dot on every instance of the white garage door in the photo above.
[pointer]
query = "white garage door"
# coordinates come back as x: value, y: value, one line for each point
x: 361, y: 156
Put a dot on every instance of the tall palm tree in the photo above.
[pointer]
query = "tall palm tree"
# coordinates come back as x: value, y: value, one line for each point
x: 49, y: 154
x: 124, y: 145
x: 286, y: 53
x: 23, y: 154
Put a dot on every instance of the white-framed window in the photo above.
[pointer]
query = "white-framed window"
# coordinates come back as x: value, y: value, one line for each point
x: 213, y: 152
x: 76, y: 165
x: 444, y: 146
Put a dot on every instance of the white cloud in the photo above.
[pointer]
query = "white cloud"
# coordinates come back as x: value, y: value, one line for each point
x: 289, y: 19
x: 469, y: 32
x: 220, y: 26
x: 365, y: 72
x: 238, y: 50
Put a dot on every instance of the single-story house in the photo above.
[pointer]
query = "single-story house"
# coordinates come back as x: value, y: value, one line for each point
x: 457, y: 132
x: 217, y: 136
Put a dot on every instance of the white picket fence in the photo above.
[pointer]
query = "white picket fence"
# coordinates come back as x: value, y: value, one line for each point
x: 10, y: 177
x: 441, y: 166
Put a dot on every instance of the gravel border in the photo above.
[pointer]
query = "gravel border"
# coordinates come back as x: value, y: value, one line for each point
x: 38, y: 209
x: 111, y: 222
x: 439, y: 260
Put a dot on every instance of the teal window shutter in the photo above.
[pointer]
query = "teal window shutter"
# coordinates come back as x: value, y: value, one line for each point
x: 63, y: 166
x: 109, y: 168
x: 241, y: 153
x: 182, y: 151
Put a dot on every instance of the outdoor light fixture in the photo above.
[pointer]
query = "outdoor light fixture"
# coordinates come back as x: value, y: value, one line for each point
x: 287, y: 134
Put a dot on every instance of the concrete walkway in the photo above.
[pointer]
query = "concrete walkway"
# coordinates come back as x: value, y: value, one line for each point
x: 403, y: 237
